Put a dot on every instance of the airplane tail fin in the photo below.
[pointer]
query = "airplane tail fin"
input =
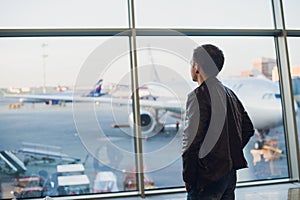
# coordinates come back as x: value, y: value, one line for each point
x: 96, y: 91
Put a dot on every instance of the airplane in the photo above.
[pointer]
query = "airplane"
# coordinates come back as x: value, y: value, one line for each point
x: 260, y: 97
x: 58, y: 98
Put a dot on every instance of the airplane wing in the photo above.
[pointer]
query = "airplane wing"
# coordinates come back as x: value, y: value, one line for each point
x: 167, y: 105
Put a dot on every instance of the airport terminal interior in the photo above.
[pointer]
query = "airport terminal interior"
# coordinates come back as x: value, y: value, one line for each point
x: 93, y: 95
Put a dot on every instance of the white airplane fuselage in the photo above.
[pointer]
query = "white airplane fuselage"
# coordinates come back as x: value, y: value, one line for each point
x: 261, y: 99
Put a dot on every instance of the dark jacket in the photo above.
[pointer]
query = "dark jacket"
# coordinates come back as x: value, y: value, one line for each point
x: 216, y: 131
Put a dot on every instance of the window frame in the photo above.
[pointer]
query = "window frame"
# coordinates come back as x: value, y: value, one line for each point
x: 279, y: 34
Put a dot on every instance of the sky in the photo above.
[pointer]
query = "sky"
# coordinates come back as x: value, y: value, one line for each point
x: 23, y: 60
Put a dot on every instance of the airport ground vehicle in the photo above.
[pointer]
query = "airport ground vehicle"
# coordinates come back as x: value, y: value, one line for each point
x: 130, y: 182
x: 28, y: 186
x: 70, y: 169
x: 71, y: 179
x: 105, y: 181
x: 73, y: 184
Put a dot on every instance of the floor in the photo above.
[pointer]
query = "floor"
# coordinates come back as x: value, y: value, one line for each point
x: 289, y: 191
x: 286, y: 191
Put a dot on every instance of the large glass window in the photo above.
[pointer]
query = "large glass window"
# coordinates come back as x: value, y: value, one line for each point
x: 204, y: 14
x: 58, y: 137
x: 165, y: 79
x: 66, y: 103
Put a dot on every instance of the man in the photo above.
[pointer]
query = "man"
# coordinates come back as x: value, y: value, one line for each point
x: 217, y: 128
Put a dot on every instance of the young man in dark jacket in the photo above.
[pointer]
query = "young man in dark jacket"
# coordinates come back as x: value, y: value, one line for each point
x: 217, y: 128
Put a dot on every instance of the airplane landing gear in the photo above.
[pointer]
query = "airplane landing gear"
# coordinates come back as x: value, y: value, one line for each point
x: 261, y: 134
x: 265, y: 148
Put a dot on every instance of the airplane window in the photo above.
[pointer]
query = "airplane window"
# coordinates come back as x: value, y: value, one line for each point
x: 268, y: 96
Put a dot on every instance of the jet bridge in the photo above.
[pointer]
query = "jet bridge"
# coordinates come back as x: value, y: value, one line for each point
x: 12, y: 162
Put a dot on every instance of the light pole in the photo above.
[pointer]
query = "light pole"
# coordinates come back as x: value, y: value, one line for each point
x: 44, y: 56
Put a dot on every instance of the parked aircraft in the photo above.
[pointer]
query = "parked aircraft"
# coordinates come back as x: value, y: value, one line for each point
x: 260, y: 96
x: 58, y: 98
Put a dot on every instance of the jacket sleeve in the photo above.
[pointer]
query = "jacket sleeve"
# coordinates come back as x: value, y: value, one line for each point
x: 190, y: 130
x: 191, y: 123
x: 247, y: 128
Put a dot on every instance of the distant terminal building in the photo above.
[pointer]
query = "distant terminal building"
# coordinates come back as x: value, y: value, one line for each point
x: 265, y: 66
x: 247, y: 73
x: 296, y: 83
x: 295, y: 72
x: 275, y: 75
x: 261, y: 67
x: 252, y: 73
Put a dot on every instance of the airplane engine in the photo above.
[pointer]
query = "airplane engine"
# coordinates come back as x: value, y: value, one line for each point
x: 149, y: 124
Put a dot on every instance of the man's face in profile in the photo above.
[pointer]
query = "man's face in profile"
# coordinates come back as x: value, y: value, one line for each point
x: 194, y: 69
